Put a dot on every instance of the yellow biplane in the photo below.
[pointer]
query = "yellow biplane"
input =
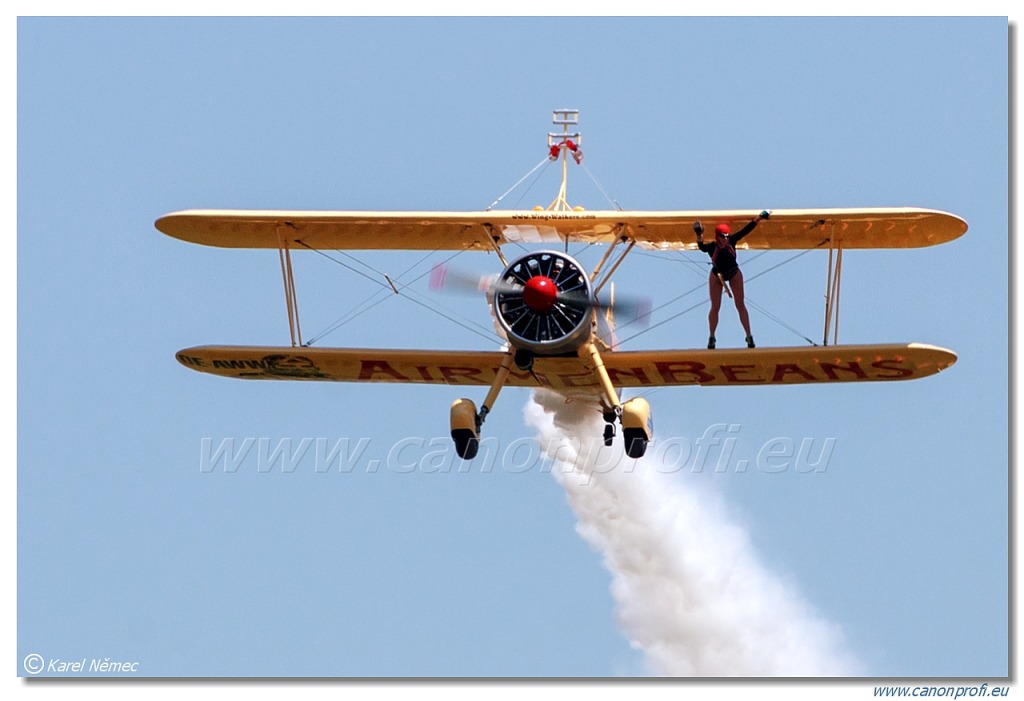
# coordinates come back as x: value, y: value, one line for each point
x: 545, y: 302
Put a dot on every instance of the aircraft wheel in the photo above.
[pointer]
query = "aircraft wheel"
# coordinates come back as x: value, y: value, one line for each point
x: 466, y: 444
x: 636, y: 442
x: 465, y: 428
x: 609, y: 434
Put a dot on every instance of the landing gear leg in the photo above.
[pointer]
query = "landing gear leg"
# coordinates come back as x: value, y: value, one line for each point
x: 611, y: 397
x: 500, y: 378
x: 466, y: 420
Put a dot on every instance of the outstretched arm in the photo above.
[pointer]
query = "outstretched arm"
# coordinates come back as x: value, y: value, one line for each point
x: 750, y: 226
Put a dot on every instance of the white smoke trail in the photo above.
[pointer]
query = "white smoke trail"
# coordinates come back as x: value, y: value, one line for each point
x: 689, y: 590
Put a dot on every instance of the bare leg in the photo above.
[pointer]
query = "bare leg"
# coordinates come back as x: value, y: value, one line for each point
x: 737, y: 293
x: 715, y: 290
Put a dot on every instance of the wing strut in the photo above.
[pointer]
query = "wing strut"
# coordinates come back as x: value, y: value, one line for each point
x: 615, y: 266
x: 494, y: 236
x: 620, y: 237
x: 835, y: 269
x: 291, y: 301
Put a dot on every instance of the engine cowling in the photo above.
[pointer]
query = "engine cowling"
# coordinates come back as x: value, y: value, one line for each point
x: 543, y: 303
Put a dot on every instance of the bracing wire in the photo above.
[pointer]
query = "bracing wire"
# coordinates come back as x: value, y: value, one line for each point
x: 537, y: 167
x: 532, y: 183
x: 756, y: 306
x: 402, y: 291
x: 610, y: 199
x: 665, y: 321
x: 374, y: 299
x: 779, y: 265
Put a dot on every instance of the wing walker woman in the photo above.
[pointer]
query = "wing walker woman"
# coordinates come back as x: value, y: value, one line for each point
x: 726, y: 273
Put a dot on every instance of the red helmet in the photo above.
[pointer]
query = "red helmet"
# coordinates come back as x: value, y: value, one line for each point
x: 722, y: 229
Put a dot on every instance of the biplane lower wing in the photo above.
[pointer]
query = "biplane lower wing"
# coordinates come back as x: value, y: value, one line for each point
x: 627, y: 369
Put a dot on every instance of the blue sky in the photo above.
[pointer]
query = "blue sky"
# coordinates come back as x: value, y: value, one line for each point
x: 406, y: 566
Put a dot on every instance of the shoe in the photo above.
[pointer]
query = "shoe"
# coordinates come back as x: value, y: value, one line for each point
x: 711, y: 342
x: 750, y: 342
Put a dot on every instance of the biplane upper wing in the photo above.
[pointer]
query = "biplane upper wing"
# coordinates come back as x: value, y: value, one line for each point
x: 632, y: 369
x: 787, y: 229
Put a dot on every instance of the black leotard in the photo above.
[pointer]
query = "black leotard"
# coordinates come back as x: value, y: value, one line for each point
x: 723, y: 260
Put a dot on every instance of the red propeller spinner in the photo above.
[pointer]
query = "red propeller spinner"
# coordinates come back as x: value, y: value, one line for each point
x: 540, y: 294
